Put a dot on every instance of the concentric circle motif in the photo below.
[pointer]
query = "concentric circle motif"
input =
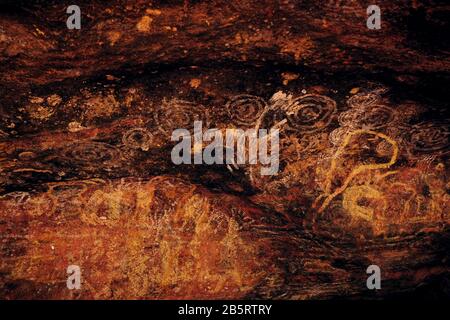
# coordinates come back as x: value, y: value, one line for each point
x: 245, y: 110
x: 92, y: 154
x: 338, y: 135
x: 348, y: 118
x: 362, y: 100
x: 430, y: 138
x: 370, y: 117
x: 309, y: 113
x: 137, y: 138
x: 376, y: 116
x: 179, y: 114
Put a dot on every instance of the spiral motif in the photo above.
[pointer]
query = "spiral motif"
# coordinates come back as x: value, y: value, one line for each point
x: 138, y: 138
x: 309, y: 113
x: 179, y: 114
x: 338, y: 135
x: 245, y: 110
x: 430, y: 138
x: 371, y: 117
x: 378, y: 116
x: 348, y: 118
x: 362, y: 100
x: 92, y: 154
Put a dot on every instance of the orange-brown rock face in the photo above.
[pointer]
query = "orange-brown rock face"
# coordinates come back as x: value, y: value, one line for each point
x: 132, y: 239
x: 87, y: 178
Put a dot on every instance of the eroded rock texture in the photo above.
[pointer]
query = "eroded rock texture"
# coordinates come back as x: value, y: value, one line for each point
x: 86, y: 176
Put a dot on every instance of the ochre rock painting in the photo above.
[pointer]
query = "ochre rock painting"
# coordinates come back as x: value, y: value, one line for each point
x: 87, y: 179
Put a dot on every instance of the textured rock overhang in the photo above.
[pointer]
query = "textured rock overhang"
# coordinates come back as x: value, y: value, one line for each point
x: 86, y: 176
